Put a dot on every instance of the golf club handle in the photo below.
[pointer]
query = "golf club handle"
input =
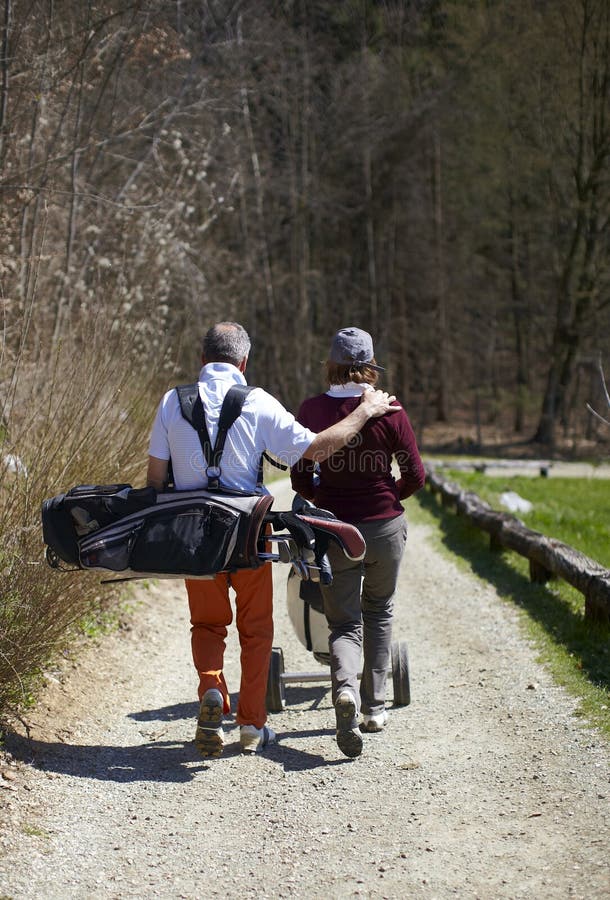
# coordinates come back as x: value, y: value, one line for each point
x: 326, y: 573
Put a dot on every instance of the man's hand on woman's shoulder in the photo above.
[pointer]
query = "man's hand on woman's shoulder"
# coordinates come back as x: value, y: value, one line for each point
x: 378, y: 403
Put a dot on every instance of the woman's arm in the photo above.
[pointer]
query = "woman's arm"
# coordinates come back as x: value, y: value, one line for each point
x: 412, y: 472
x: 302, y: 473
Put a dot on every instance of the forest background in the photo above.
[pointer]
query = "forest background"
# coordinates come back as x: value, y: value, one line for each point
x: 435, y: 171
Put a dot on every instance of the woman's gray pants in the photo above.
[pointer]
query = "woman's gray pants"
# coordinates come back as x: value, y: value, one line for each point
x: 360, y: 611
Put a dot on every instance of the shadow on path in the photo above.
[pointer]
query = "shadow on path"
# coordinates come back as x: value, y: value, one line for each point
x: 161, y: 761
x: 564, y: 623
x: 166, y: 713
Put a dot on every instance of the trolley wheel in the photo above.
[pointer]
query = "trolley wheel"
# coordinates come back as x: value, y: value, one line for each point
x: 400, y: 673
x: 275, y: 698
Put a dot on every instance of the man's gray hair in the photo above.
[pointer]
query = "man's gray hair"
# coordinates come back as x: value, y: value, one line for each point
x: 226, y: 342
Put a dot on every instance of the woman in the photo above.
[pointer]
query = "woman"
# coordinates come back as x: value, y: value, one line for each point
x: 357, y: 485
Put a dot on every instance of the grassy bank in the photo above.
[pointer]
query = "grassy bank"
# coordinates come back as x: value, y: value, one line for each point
x: 573, y: 510
x: 576, y: 651
x: 89, y: 424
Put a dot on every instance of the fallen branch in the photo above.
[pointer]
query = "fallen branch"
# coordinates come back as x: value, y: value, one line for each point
x: 606, y: 395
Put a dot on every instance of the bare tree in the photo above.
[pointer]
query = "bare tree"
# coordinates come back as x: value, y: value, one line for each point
x: 583, y: 263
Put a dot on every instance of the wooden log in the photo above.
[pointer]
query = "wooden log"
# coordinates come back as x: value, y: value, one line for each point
x: 469, y: 503
x: 438, y: 484
x: 539, y: 574
x: 483, y: 516
x: 483, y: 465
x: 547, y: 556
x: 568, y: 563
x: 515, y: 536
x: 449, y: 491
x: 495, y: 544
x: 597, y: 599
x: 433, y: 481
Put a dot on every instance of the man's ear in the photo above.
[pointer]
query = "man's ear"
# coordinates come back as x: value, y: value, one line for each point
x: 243, y: 364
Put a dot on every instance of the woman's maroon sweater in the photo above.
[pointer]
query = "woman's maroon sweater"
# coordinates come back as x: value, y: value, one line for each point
x: 356, y: 483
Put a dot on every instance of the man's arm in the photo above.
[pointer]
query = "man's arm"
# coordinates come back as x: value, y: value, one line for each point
x: 372, y: 405
x: 156, y: 475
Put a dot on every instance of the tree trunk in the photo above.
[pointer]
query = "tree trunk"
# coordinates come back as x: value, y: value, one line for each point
x: 519, y: 311
x: 368, y: 195
x: 271, y: 346
x: 565, y: 346
x: 442, y: 403
x: 304, y: 264
x: 579, y: 278
x: 64, y: 308
x: 4, y: 67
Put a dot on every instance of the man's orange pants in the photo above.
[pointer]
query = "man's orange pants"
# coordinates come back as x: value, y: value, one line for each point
x: 211, y: 614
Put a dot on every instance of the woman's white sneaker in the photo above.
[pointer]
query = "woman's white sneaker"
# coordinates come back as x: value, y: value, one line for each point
x: 376, y: 722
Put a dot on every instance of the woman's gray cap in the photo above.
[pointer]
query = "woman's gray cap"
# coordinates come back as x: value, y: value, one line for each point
x: 353, y: 346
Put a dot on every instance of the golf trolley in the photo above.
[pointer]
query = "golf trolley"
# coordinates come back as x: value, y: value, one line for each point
x: 306, y: 614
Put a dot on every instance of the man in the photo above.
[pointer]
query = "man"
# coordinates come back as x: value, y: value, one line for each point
x: 264, y: 424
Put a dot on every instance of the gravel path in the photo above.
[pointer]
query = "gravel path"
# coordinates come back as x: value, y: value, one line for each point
x: 484, y: 787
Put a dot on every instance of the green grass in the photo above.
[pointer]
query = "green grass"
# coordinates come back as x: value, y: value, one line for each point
x: 34, y: 831
x: 108, y: 614
x: 573, y: 510
x: 576, y: 651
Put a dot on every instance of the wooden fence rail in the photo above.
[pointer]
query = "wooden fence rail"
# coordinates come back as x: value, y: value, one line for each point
x: 547, y: 556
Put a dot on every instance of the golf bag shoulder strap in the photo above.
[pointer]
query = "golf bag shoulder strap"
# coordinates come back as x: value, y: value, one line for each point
x: 192, y: 410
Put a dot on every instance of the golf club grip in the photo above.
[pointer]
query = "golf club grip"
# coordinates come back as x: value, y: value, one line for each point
x: 326, y: 573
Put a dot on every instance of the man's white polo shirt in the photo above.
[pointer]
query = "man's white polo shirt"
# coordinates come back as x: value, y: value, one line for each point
x: 264, y: 424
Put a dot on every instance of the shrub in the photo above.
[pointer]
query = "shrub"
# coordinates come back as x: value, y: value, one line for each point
x: 80, y: 416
